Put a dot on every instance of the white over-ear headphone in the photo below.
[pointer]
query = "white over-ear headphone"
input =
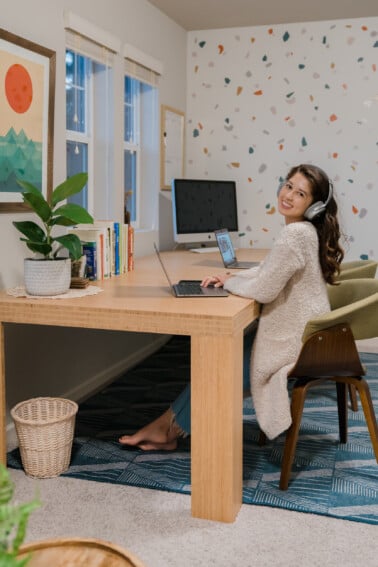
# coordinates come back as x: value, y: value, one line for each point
x: 317, y: 208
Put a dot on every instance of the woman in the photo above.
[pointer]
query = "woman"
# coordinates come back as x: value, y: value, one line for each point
x: 290, y: 284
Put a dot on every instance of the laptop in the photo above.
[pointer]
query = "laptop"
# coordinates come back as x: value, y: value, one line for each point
x: 227, y: 251
x: 190, y: 288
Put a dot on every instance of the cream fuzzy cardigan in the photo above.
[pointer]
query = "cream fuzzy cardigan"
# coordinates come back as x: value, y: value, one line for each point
x: 290, y: 286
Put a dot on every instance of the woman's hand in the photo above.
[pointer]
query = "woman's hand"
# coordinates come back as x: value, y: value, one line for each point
x: 216, y: 281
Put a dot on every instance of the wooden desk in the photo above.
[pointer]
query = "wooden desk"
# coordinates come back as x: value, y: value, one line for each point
x: 141, y: 301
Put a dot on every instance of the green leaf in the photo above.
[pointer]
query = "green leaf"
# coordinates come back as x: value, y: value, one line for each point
x: 61, y: 221
x: 75, y: 213
x: 29, y: 187
x: 69, y: 187
x: 72, y: 243
x: 39, y: 205
x: 39, y: 248
x: 6, y: 486
x: 31, y: 230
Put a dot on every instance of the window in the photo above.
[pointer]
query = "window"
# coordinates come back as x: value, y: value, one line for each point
x: 140, y: 144
x: 112, y: 124
x: 89, y: 121
x: 78, y: 142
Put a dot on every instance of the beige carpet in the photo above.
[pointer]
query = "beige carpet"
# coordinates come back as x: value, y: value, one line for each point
x: 158, y: 528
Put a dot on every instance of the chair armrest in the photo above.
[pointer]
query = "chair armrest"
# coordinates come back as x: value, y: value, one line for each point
x: 351, y: 290
x: 361, y: 316
x: 358, y: 269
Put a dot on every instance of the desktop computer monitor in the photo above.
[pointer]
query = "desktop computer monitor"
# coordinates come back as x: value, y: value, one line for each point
x: 201, y: 206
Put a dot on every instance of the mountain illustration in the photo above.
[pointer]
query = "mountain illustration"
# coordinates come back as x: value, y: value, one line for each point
x: 20, y: 158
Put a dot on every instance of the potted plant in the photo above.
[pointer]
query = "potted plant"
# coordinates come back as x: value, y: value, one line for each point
x: 13, y: 522
x: 48, y: 273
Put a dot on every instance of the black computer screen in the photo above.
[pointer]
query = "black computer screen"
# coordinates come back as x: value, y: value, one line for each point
x: 202, y: 206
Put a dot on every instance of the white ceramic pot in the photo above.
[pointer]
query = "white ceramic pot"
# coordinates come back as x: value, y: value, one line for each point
x: 47, y: 277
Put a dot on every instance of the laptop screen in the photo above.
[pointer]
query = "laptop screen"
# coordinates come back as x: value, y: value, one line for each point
x: 225, y: 245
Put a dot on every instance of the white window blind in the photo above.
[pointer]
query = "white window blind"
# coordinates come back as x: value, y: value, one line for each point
x: 142, y: 67
x: 89, y: 48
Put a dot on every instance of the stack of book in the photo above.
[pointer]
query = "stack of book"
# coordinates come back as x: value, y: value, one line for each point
x: 108, y: 247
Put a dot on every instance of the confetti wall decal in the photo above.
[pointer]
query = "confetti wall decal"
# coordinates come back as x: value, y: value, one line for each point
x: 317, y: 104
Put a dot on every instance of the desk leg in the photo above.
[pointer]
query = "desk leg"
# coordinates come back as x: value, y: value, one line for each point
x: 217, y: 426
x: 3, y: 437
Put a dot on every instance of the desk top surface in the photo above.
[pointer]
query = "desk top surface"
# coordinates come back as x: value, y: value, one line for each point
x: 141, y: 300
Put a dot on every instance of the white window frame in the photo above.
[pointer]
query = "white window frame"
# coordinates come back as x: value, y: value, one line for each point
x: 146, y: 70
x: 97, y: 45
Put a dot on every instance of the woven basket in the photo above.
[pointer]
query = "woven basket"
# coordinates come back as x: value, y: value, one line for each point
x: 45, y: 431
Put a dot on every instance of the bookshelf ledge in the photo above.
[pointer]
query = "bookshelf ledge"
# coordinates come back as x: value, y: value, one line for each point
x: 19, y: 291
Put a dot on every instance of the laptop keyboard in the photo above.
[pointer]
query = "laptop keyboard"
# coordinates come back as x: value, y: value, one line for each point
x: 190, y: 287
x: 193, y: 287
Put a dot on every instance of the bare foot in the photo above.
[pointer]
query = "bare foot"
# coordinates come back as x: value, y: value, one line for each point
x: 159, y: 435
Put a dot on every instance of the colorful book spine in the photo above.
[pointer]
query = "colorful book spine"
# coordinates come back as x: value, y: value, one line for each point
x: 130, y: 249
x: 90, y: 251
x: 116, y: 249
x: 125, y: 246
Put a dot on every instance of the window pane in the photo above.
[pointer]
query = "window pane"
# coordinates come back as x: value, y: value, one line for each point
x: 76, y: 67
x: 130, y: 166
x: 77, y: 161
x: 131, y: 130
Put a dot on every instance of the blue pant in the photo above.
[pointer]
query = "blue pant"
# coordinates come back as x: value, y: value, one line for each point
x: 181, y: 405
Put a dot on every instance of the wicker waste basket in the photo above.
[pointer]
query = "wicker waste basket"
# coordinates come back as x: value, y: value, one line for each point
x: 45, y: 431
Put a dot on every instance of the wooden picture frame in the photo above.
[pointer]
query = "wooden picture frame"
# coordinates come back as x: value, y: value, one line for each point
x: 27, y: 77
x: 172, y: 145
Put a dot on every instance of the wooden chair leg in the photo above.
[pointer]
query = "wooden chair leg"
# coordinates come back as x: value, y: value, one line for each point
x: 353, y: 397
x: 297, y: 402
x: 342, y: 407
x: 367, y: 406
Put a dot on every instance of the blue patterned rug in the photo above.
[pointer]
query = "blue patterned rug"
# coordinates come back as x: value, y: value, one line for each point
x: 328, y: 478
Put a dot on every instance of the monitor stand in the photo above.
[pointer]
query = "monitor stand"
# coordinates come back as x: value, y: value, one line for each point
x: 205, y: 249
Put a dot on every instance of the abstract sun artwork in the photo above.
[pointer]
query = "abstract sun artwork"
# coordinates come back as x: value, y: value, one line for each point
x: 27, y: 81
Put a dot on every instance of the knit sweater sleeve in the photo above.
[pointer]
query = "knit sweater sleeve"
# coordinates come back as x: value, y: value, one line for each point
x: 289, y: 254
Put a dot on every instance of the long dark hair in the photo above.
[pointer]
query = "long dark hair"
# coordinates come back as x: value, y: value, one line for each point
x: 331, y: 253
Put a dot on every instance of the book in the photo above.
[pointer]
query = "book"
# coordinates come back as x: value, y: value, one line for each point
x: 130, y: 249
x: 124, y: 239
x: 89, y: 234
x: 116, y: 249
x: 90, y: 251
x: 109, y: 245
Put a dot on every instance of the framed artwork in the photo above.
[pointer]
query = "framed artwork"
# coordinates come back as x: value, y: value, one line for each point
x: 27, y: 95
x: 172, y: 148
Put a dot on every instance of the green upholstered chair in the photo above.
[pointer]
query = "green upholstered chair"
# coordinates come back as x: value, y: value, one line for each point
x: 353, y: 270
x: 329, y: 353
x: 358, y: 269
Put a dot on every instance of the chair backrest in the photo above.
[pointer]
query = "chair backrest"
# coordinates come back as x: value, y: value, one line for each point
x: 358, y: 269
x: 353, y: 302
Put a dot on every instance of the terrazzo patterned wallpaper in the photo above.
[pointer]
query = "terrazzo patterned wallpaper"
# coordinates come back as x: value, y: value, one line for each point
x: 261, y: 99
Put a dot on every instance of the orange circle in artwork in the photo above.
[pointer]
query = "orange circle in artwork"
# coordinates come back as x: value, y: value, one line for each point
x: 18, y: 88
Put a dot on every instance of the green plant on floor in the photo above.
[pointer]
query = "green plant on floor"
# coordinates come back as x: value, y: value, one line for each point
x: 13, y: 522
x: 39, y: 239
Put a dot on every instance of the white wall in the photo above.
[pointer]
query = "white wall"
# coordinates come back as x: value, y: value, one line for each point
x: 261, y: 99
x: 53, y: 361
